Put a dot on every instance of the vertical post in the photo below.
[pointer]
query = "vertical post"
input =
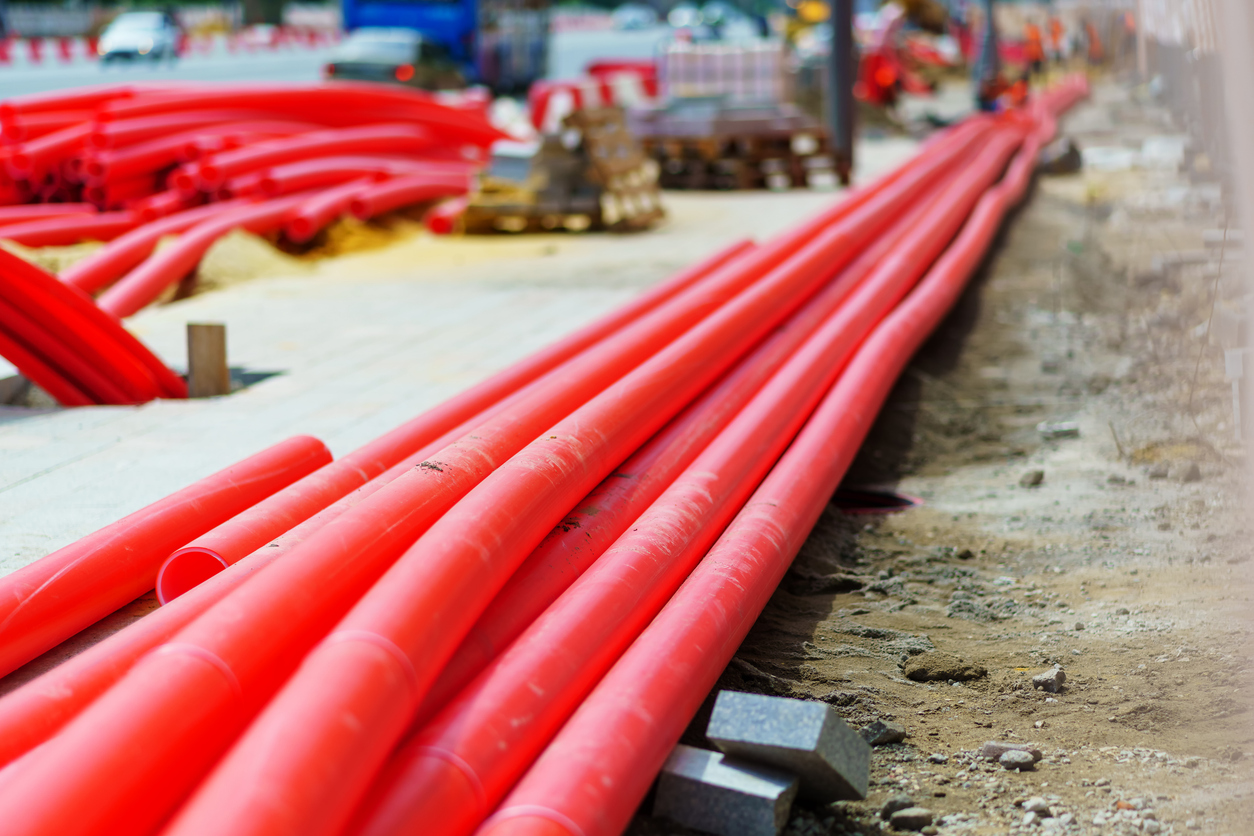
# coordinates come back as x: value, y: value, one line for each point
x: 207, y: 371
x: 842, y: 67
x: 1142, y: 45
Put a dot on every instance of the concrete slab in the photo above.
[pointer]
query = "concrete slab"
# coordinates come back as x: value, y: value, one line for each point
x: 706, y: 791
x: 808, y: 739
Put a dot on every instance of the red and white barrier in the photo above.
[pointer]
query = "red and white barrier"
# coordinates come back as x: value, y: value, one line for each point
x: 67, y: 51
x: 608, y: 84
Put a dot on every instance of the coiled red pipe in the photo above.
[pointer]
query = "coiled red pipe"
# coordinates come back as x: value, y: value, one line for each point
x: 37, y: 370
x: 621, y: 734
x: 55, y: 597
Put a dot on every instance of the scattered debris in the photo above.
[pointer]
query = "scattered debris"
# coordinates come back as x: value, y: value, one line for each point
x: 941, y: 667
x: 1052, y: 680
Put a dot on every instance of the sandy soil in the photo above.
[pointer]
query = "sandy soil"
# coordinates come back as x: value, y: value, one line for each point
x: 1127, y: 565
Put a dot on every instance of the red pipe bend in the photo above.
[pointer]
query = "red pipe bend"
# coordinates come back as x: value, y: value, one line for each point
x: 35, y: 369
x: 36, y: 211
x: 55, y: 597
x: 292, y: 177
x: 111, y: 261
x: 442, y: 219
x: 142, y: 285
x: 128, y: 132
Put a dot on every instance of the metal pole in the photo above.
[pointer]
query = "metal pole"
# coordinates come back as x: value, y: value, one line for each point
x: 842, y: 66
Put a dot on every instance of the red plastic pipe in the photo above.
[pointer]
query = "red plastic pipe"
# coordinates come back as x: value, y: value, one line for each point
x: 71, y: 318
x: 154, y: 154
x: 35, y: 211
x: 603, y: 515
x: 296, y: 603
x: 36, y: 125
x: 142, y: 285
x: 35, y: 369
x: 388, y: 649
x: 111, y: 261
x: 55, y: 597
x: 70, y: 229
x: 457, y: 769
x: 407, y: 190
x: 165, y: 203
x: 442, y: 219
x: 310, y: 217
x: 31, y: 159
x: 70, y: 366
x: 292, y: 177
x: 124, y: 132
x: 251, y: 531
x: 86, y: 98
x: 242, y: 537
x: 213, y: 172
x: 118, y: 193
x: 592, y: 777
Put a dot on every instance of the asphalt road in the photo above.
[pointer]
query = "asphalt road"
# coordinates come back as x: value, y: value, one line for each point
x: 302, y: 65
x: 569, y: 53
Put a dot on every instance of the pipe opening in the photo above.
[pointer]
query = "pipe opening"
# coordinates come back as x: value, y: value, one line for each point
x: 184, y: 570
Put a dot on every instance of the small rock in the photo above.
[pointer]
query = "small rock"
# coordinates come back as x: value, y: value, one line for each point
x: 900, y: 801
x: 1061, y: 429
x: 1016, y: 759
x: 1192, y: 473
x: 1157, y: 471
x: 934, y: 666
x: 1116, y: 479
x: 994, y: 749
x: 1079, y: 625
x: 1192, y: 762
x: 966, y: 554
x: 1030, y: 819
x: 1032, y: 479
x: 1151, y: 826
x: 882, y: 732
x: 1192, y: 824
x: 911, y: 818
x: 1123, y: 611
x: 1050, y: 680
x: 937, y: 757
x: 1038, y: 805
x: 930, y: 830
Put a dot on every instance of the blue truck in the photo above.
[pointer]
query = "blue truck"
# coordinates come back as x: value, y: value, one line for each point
x: 499, y: 43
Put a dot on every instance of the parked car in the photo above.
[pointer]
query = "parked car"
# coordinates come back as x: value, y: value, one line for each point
x: 400, y: 56
x: 134, y: 35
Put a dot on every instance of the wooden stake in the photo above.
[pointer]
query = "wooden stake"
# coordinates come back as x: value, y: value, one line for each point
x: 207, y: 372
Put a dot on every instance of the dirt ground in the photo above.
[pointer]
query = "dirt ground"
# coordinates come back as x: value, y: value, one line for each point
x: 1128, y: 565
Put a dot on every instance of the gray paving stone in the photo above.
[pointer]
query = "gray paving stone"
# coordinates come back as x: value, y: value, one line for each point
x: 806, y: 738
x: 706, y: 791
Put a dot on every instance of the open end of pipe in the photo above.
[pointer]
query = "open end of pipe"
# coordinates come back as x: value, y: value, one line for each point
x: 359, y: 209
x: 872, y: 501
x: 210, y: 175
x: 94, y: 168
x: 184, y: 182
x: 300, y: 230
x: 186, y: 569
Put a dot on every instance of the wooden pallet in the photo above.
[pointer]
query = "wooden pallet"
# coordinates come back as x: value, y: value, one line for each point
x: 779, y: 160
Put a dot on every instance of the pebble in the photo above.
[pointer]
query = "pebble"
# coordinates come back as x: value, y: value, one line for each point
x: 1038, y: 805
x: 1151, y: 826
x: 1158, y: 471
x: 1050, y: 680
x: 1032, y: 479
x: 911, y: 818
x: 1079, y: 625
x: 1017, y: 759
x: 1123, y: 611
x: 1192, y: 473
x: 994, y: 749
x: 1030, y: 819
x: 882, y: 732
x: 937, y: 757
x: 900, y: 801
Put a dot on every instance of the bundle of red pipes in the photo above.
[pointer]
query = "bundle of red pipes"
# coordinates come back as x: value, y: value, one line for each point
x: 129, y: 164
x: 499, y: 617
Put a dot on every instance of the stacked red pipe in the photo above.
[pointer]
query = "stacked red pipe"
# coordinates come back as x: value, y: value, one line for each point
x: 499, y: 617
x: 129, y: 164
